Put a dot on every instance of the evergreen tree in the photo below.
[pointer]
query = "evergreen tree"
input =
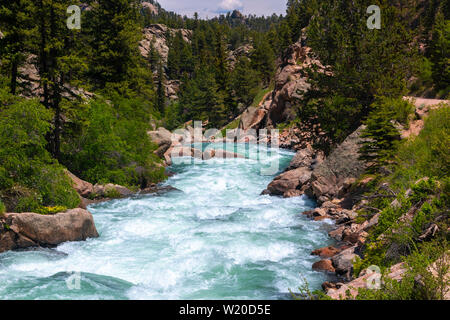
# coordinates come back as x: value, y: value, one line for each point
x: 153, y: 55
x: 245, y: 81
x: 56, y: 59
x: 160, y: 91
x: 17, y: 24
x: 200, y: 98
x: 380, y: 136
x: 263, y: 59
x: 440, y: 52
x: 114, y: 37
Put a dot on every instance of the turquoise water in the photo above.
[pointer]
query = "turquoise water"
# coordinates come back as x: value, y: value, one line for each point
x: 216, y: 238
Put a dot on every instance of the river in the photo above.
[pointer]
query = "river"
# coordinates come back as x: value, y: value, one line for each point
x: 216, y: 238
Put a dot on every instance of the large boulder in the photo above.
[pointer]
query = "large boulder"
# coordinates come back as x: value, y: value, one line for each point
x: 84, y: 188
x: 111, y: 191
x: 343, y: 261
x: 22, y: 230
x: 332, y: 176
x: 288, y: 181
x: 323, y: 265
x: 252, y: 118
x: 163, y: 138
x: 222, y: 154
x: 293, y: 181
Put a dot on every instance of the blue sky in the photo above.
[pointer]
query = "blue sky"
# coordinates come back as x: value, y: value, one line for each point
x: 211, y: 8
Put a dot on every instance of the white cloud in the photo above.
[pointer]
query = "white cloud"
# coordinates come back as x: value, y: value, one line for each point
x: 228, y: 5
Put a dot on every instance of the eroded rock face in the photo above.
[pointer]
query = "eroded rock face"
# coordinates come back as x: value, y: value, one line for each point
x: 329, y: 179
x: 291, y: 82
x: 235, y: 55
x: 23, y: 230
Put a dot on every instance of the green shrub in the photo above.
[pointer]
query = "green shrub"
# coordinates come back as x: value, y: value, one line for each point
x: 112, y: 193
x: 2, y: 207
x: 418, y: 283
x: 51, y: 210
x: 112, y: 145
x: 426, y: 155
x: 29, y: 177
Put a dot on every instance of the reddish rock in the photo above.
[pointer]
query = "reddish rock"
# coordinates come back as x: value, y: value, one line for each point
x: 321, y: 218
x: 326, y: 252
x: 323, y: 265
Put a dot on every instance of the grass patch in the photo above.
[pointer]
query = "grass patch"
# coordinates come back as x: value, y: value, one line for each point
x: 260, y: 95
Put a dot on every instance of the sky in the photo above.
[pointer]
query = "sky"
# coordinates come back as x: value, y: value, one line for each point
x: 211, y: 8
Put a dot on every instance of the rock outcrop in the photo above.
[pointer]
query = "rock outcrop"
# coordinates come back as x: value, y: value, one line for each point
x: 321, y: 179
x: 291, y: 82
x: 349, y: 290
x: 338, y: 171
x: 235, y: 55
x: 163, y: 138
x: 151, y: 8
x: 23, y: 230
x: 88, y: 191
x: 293, y: 182
x: 158, y: 35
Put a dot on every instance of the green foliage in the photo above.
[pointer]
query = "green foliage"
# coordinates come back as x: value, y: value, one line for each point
x: 112, y: 193
x: 430, y: 147
x: 245, y: 82
x: 440, y: 52
x: 419, y: 283
x: 2, y: 207
x: 51, y: 210
x: 27, y: 171
x: 113, y: 145
x: 381, y: 135
x: 362, y: 64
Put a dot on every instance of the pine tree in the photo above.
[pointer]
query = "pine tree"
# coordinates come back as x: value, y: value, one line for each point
x: 440, y: 52
x: 56, y: 59
x: 263, y: 59
x: 380, y: 138
x: 160, y: 91
x: 114, y: 37
x: 17, y: 24
x: 153, y: 55
x: 245, y: 81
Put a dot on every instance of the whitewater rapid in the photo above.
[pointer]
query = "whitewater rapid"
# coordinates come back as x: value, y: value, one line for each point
x: 215, y: 238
